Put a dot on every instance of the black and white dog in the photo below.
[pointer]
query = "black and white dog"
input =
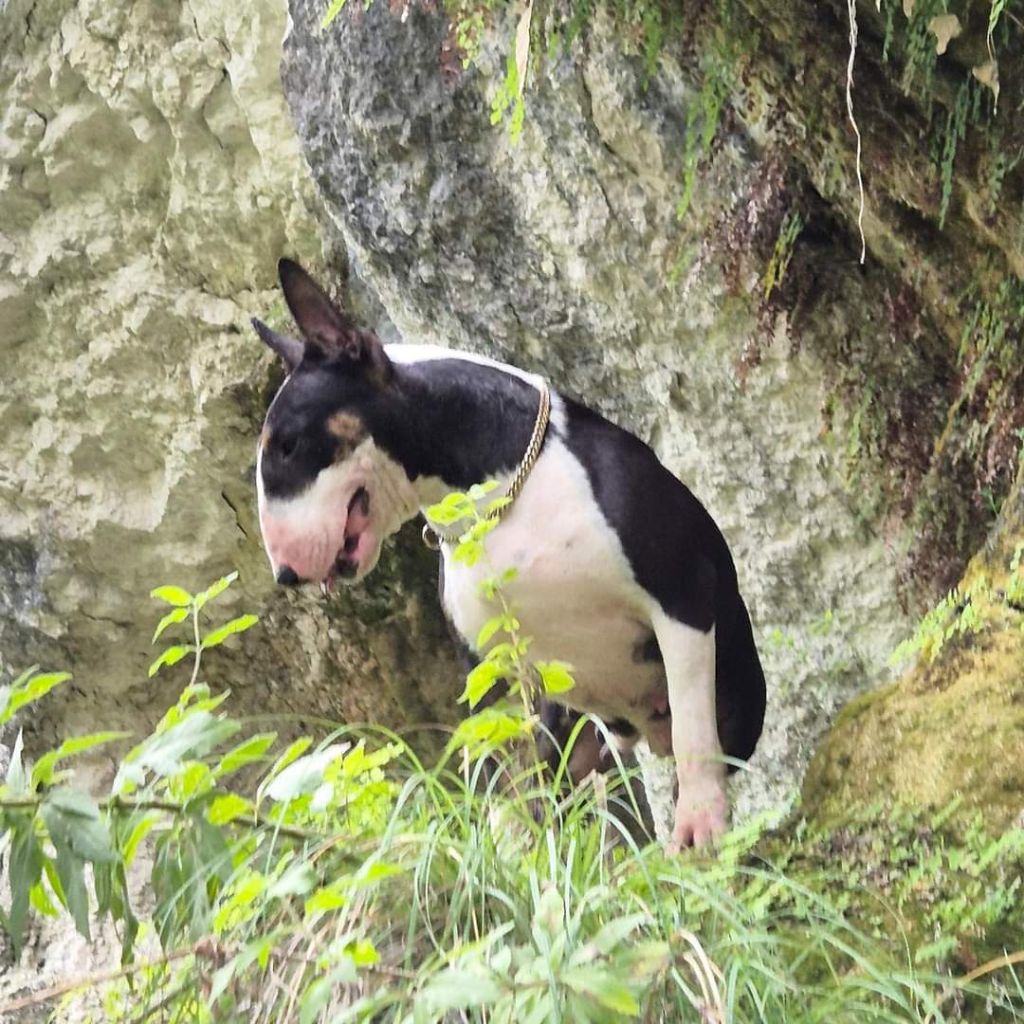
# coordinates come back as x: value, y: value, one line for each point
x: 621, y: 571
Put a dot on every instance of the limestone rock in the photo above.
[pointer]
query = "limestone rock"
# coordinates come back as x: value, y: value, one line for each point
x: 149, y: 181
x: 563, y: 253
x: 952, y: 729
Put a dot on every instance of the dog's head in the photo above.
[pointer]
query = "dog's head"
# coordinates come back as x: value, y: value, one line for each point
x: 328, y: 496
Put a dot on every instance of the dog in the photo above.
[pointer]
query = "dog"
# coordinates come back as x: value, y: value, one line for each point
x: 621, y: 572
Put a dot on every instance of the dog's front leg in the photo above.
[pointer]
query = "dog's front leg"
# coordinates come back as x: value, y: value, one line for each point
x: 689, y: 656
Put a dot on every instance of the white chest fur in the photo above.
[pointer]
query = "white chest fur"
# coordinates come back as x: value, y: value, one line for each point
x: 574, y: 591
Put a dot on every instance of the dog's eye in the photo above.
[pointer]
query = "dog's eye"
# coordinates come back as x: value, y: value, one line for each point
x: 287, y: 447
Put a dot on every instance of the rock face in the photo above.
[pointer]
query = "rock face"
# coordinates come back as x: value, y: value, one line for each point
x: 150, y: 176
x: 854, y: 430
x: 951, y: 730
x: 149, y: 180
x: 563, y: 252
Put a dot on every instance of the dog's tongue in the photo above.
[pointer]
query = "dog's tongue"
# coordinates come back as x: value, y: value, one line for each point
x: 358, y: 515
x: 357, y: 522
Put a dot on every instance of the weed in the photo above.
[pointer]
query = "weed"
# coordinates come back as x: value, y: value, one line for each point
x: 344, y: 880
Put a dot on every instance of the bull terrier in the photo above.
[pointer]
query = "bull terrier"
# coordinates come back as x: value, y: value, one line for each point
x: 620, y: 571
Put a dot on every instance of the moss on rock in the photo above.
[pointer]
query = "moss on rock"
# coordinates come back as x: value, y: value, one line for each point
x: 952, y: 726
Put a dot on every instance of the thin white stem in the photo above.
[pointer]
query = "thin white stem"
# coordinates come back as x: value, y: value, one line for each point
x: 199, y: 645
x: 851, y: 6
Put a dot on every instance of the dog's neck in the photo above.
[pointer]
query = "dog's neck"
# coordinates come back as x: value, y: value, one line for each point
x: 457, y: 420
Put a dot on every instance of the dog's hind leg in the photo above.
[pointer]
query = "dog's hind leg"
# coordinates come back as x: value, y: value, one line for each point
x: 689, y: 656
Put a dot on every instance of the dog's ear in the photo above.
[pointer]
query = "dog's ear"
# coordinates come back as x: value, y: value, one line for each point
x: 291, y: 350
x: 326, y: 328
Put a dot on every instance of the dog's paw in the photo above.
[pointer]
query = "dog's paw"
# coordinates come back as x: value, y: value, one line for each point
x: 702, y: 814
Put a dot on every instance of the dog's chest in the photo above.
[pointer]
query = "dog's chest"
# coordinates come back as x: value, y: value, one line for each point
x: 574, y: 593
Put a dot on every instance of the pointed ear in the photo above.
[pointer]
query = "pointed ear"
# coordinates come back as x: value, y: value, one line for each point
x: 320, y: 321
x: 290, y: 350
x: 327, y: 328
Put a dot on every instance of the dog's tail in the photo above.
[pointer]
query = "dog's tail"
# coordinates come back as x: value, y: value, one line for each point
x: 739, y: 688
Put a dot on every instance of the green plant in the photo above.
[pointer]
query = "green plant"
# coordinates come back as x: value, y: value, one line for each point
x: 341, y: 879
x: 964, y: 611
x: 505, y: 660
x: 186, y: 606
x: 778, y: 264
x: 955, y: 615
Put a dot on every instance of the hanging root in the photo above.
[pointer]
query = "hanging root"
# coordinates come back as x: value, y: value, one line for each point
x: 852, y: 10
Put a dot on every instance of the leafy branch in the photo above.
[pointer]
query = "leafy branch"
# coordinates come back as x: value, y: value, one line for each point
x: 500, y: 638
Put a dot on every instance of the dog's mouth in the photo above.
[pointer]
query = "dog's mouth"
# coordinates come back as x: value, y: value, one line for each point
x: 347, y: 560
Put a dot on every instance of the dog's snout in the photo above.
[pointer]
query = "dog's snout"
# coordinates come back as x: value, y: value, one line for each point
x: 287, y: 576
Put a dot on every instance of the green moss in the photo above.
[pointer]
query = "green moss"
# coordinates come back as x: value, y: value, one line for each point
x: 952, y: 894
x: 948, y: 729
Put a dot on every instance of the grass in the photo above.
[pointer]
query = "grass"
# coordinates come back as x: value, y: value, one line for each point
x: 438, y: 894
x: 342, y: 879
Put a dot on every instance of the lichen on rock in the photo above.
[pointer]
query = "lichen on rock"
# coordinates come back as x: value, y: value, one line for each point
x: 953, y: 727
x: 150, y: 180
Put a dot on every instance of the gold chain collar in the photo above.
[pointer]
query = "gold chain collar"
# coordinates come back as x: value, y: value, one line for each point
x: 434, y: 537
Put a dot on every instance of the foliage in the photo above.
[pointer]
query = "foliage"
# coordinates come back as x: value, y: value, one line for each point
x: 505, y: 648
x: 343, y: 880
x: 965, y: 611
x: 955, y: 615
x: 948, y: 891
x: 186, y: 606
x: 778, y: 264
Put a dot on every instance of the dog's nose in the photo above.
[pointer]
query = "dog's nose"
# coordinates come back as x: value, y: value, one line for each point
x: 287, y: 576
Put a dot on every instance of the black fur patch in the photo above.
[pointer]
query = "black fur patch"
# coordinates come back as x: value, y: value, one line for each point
x: 647, y: 651
x: 622, y: 727
x: 449, y: 418
x: 679, y: 556
x: 299, y: 442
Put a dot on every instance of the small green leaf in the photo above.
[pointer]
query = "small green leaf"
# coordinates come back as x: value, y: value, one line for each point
x: 468, y: 552
x: 555, y: 676
x: 73, y: 820
x: 173, y: 616
x: 41, y: 902
x: 294, y: 751
x: 227, y: 808
x: 25, y: 866
x: 363, y: 952
x: 480, y: 491
x: 297, y: 880
x: 314, y: 999
x: 26, y: 689
x: 324, y: 900
x: 71, y: 872
x: 170, y: 657
x: 193, y: 736
x: 335, y: 8
x: 44, y: 769
x: 139, y: 831
x: 494, y: 507
x: 487, y: 631
x: 245, y: 753
x: 176, y: 596
x: 215, y: 590
x: 493, y: 727
x: 305, y: 775
x: 610, y: 936
x: 480, y: 681
x: 16, y: 778
x: 221, y: 633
